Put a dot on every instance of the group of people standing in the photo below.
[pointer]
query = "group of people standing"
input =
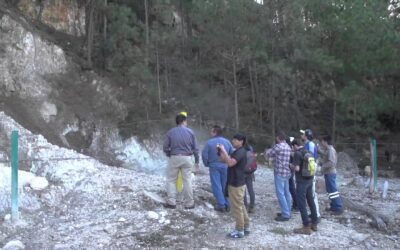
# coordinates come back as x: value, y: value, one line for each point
x: 230, y: 182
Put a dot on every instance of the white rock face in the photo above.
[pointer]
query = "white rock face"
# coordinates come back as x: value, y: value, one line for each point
x: 27, y: 59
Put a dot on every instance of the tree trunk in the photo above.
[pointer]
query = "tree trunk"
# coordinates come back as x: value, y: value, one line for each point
x: 105, y: 21
x: 273, y: 129
x: 334, y: 114
x: 146, y: 11
x: 380, y: 221
x: 225, y: 82
x: 259, y: 96
x: 166, y: 77
x: 41, y: 8
x: 252, y: 87
x: 182, y: 27
x: 90, y: 33
x: 297, y: 114
x: 236, y: 87
x: 158, y: 82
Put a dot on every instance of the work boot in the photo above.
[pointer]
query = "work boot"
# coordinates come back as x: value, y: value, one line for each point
x: 281, y: 218
x: 303, y: 230
x: 220, y: 209
x: 236, y: 234
x: 314, y: 227
x: 167, y: 205
x: 250, y: 210
x: 339, y: 212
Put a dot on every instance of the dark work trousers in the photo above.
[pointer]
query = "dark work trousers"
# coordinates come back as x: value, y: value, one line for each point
x: 304, y: 196
x: 292, y: 190
x: 249, y: 186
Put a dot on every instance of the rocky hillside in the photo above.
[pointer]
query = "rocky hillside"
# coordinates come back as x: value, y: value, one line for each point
x: 47, y: 90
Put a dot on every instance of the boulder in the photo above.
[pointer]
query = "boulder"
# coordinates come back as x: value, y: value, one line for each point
x: 14, y: 245
x: 346, y: 164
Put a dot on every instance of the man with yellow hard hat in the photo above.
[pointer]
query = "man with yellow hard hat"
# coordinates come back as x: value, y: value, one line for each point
x: 180, y: 145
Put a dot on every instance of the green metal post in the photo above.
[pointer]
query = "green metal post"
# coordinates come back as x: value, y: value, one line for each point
x: 375, y: 165
x: 14, y: 175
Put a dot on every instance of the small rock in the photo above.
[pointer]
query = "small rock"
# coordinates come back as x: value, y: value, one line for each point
x: 155, y: 197
x: 357, y: 237
x: 152, y: 215
x: 209, y: 205
x: 7, y: 217
x: 367, y: 170
x: 358, y: 182
x: 39, y: 183
x: 13, y: 245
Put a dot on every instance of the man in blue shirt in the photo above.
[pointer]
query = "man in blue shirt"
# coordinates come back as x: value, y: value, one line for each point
x: 307, y: 137
x: 218, y: 169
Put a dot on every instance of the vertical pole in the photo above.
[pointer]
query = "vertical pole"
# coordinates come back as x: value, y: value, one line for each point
x: 375, y: 165
x: 372, y: 172
x: 14, y: 175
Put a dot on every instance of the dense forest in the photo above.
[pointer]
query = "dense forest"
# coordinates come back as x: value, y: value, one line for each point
x: 257, y: 66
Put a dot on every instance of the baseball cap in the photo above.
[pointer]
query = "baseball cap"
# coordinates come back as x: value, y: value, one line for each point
x: 184, y: 113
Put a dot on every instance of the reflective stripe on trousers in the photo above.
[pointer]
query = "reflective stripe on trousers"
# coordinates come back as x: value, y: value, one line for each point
x: 333, y: 195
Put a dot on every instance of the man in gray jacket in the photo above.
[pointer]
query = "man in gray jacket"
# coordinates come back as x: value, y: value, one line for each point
x: 328, y: 168
x: 180, y: 145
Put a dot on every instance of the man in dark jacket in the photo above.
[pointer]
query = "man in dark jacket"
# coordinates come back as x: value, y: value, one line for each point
x: 304, y: 192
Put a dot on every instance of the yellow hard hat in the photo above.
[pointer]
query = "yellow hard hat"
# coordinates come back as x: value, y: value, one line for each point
x: 183, y: 113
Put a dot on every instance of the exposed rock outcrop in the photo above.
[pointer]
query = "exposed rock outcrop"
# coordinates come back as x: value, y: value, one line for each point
x: 48, y: 93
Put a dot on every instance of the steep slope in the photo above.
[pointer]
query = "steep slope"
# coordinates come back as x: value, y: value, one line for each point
x: 49, y: 93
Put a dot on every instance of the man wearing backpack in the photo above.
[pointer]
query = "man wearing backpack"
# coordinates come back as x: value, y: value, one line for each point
x: 218, y: 170
x: 307, y: 137
x: 329, y: 160
x: 304, y: 191
x: 281, y: 156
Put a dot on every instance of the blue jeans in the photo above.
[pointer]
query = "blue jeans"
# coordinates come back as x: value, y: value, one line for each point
x: 283, y: 195
x: 218, y: 177
x: 304, y: 195
x: 333, y: 193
